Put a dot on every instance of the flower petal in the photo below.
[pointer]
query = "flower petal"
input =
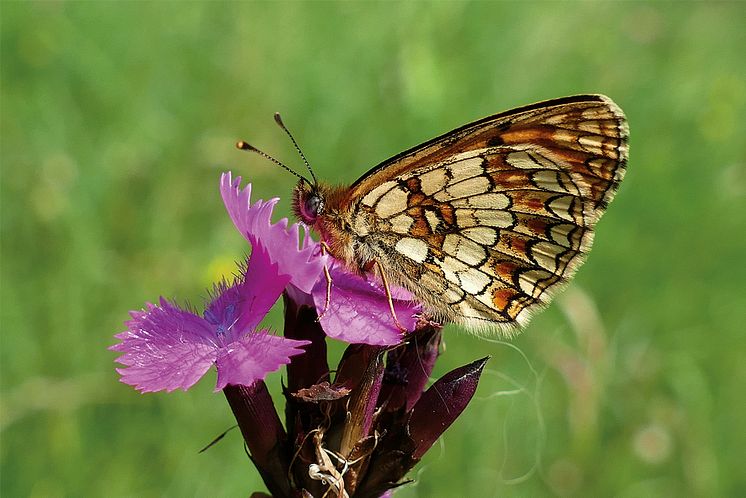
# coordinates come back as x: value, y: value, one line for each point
x: 165, y: 348
x: 359, y: 310
x: 253, y: 356
x: 239, y: 308
x: 296, y: 255
x: 263, y: 285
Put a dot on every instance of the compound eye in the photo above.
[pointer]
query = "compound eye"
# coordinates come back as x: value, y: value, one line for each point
x: 314, y: 205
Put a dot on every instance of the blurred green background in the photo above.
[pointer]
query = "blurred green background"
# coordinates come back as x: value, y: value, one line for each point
x: 117, y: 119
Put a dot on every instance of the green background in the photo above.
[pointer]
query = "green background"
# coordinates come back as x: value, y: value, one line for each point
x: 117, y: 119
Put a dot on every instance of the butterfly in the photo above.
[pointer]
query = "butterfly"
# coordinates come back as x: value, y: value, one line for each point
x: 485, y: 223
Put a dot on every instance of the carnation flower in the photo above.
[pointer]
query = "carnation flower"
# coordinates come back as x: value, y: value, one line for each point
x: 167, y: 347
x: 355, y: 434
x: 296, y: 255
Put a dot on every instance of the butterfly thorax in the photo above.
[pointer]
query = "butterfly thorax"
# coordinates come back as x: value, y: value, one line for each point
x: 323, y: 208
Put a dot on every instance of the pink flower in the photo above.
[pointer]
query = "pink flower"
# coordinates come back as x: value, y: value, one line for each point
x: 166, y: 347
x: 375, y: 409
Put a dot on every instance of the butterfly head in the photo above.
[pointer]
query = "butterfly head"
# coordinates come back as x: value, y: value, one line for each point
x: 308, y: 202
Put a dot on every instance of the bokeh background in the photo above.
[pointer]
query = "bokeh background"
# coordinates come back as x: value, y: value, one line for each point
x: 117, y: 119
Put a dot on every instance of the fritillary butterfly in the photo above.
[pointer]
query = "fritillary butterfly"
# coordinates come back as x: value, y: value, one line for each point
x: 486, y: 222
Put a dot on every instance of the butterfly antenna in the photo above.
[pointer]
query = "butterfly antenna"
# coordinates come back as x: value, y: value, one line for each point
x: 279, y: 122
x: 246, y: 146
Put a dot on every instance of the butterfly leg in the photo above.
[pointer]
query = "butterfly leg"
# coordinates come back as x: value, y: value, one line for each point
x: 387, y: 289
x: 328, y: 277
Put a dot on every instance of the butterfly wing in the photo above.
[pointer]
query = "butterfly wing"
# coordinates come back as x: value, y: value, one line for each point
x: 486, y: 222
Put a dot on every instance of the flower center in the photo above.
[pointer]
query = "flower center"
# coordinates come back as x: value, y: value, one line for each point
x: 224, y: 321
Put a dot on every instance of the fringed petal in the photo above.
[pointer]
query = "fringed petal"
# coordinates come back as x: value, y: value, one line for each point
x: 296, y: 254
x: 165, y: 348
x: 253, y: 356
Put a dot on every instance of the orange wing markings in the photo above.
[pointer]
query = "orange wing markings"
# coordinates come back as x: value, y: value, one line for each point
x: 486, y: 222
x: 503, y: 297
x: 488, y: 132
x: 562, y: 233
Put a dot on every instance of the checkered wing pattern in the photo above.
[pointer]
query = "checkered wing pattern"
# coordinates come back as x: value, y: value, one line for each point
x: 487, y: 222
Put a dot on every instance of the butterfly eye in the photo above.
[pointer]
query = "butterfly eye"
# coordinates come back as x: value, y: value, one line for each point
x: 314, y: 205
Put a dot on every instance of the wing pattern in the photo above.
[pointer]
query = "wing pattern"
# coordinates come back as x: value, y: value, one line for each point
x: 484, y: 224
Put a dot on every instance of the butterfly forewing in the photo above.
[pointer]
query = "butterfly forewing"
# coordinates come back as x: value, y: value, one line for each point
x: 485, y: 223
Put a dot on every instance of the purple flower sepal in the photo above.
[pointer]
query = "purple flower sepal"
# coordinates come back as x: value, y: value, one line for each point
x: 408, y: 368
x: 431, y: 415
x: 378, y: 421
x: 166, y: 347
x: 408, y: 435
x: 263, y: 433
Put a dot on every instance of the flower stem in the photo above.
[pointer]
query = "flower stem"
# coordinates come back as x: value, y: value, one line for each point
x: 263, y: 433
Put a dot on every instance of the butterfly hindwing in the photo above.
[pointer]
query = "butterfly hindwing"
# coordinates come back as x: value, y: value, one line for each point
x: 486, y: 222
